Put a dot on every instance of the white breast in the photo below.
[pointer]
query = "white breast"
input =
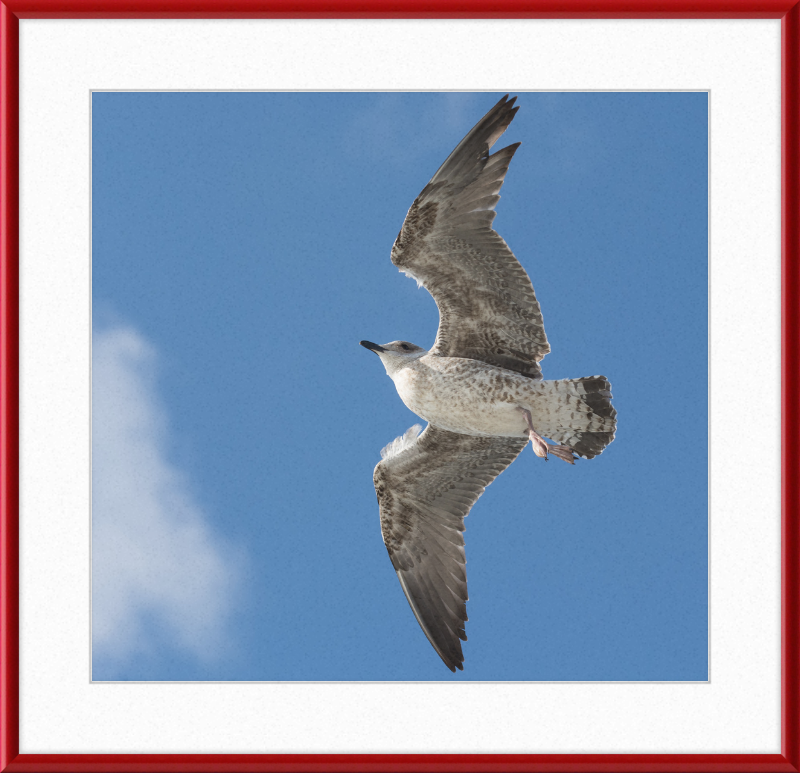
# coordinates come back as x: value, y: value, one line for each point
x: 464, y: 396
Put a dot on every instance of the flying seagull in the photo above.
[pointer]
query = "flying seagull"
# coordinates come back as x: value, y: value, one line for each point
x: 480, y: 387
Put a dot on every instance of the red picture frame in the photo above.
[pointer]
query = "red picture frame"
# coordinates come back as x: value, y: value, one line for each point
x: 10, y: 13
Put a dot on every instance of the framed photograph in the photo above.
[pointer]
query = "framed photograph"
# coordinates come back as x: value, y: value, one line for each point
x: 201, y: 212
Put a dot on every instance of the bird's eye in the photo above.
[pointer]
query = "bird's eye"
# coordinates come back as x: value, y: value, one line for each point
x: 405, y: 346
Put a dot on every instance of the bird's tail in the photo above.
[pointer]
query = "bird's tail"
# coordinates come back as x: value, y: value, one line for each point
x: 577, y: 412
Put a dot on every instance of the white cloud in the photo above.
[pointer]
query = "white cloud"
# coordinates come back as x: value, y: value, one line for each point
x: 160, y: 576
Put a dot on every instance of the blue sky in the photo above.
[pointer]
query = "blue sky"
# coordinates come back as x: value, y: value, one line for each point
x: 240, y: 247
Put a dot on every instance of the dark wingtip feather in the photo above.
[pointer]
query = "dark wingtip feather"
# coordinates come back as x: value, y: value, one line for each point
x: 469, y: 157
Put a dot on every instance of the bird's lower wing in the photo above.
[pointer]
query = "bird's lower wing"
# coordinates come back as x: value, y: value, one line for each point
x: 426, y: 486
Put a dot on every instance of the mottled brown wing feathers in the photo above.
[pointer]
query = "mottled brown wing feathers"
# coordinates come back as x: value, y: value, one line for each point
x: 426, y: 486
x: 487, y: 307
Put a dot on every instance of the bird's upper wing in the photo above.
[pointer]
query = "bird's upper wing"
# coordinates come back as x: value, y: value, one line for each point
x: 426, y: 486
x: 487, y: 308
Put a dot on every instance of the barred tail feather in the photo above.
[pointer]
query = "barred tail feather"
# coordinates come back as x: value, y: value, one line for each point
x: 581, y: 415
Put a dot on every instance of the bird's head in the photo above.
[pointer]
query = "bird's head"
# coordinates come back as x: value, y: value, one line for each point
x: 395, y: 355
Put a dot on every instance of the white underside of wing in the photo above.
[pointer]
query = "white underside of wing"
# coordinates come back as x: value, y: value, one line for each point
x: 400, y: 444
x: 412, y: 276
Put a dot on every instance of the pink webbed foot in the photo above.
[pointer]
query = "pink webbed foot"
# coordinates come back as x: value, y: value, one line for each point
x: 541, y: 447
x: 562, y: 452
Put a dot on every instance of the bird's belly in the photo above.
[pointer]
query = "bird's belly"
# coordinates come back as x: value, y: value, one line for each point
x: 471, y: 406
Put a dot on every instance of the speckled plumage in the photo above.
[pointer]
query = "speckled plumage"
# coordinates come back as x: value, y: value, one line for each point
x: 474, y: 398
x: 480, y: 386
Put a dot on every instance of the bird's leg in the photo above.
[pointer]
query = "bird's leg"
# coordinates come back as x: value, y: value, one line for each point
x: 537, y: 442
x: 541, y: 447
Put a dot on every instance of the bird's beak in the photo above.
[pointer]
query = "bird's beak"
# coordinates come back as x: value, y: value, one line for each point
x: 372, y: 347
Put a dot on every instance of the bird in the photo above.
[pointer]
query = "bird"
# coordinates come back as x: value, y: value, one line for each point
x: 479, y: 388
